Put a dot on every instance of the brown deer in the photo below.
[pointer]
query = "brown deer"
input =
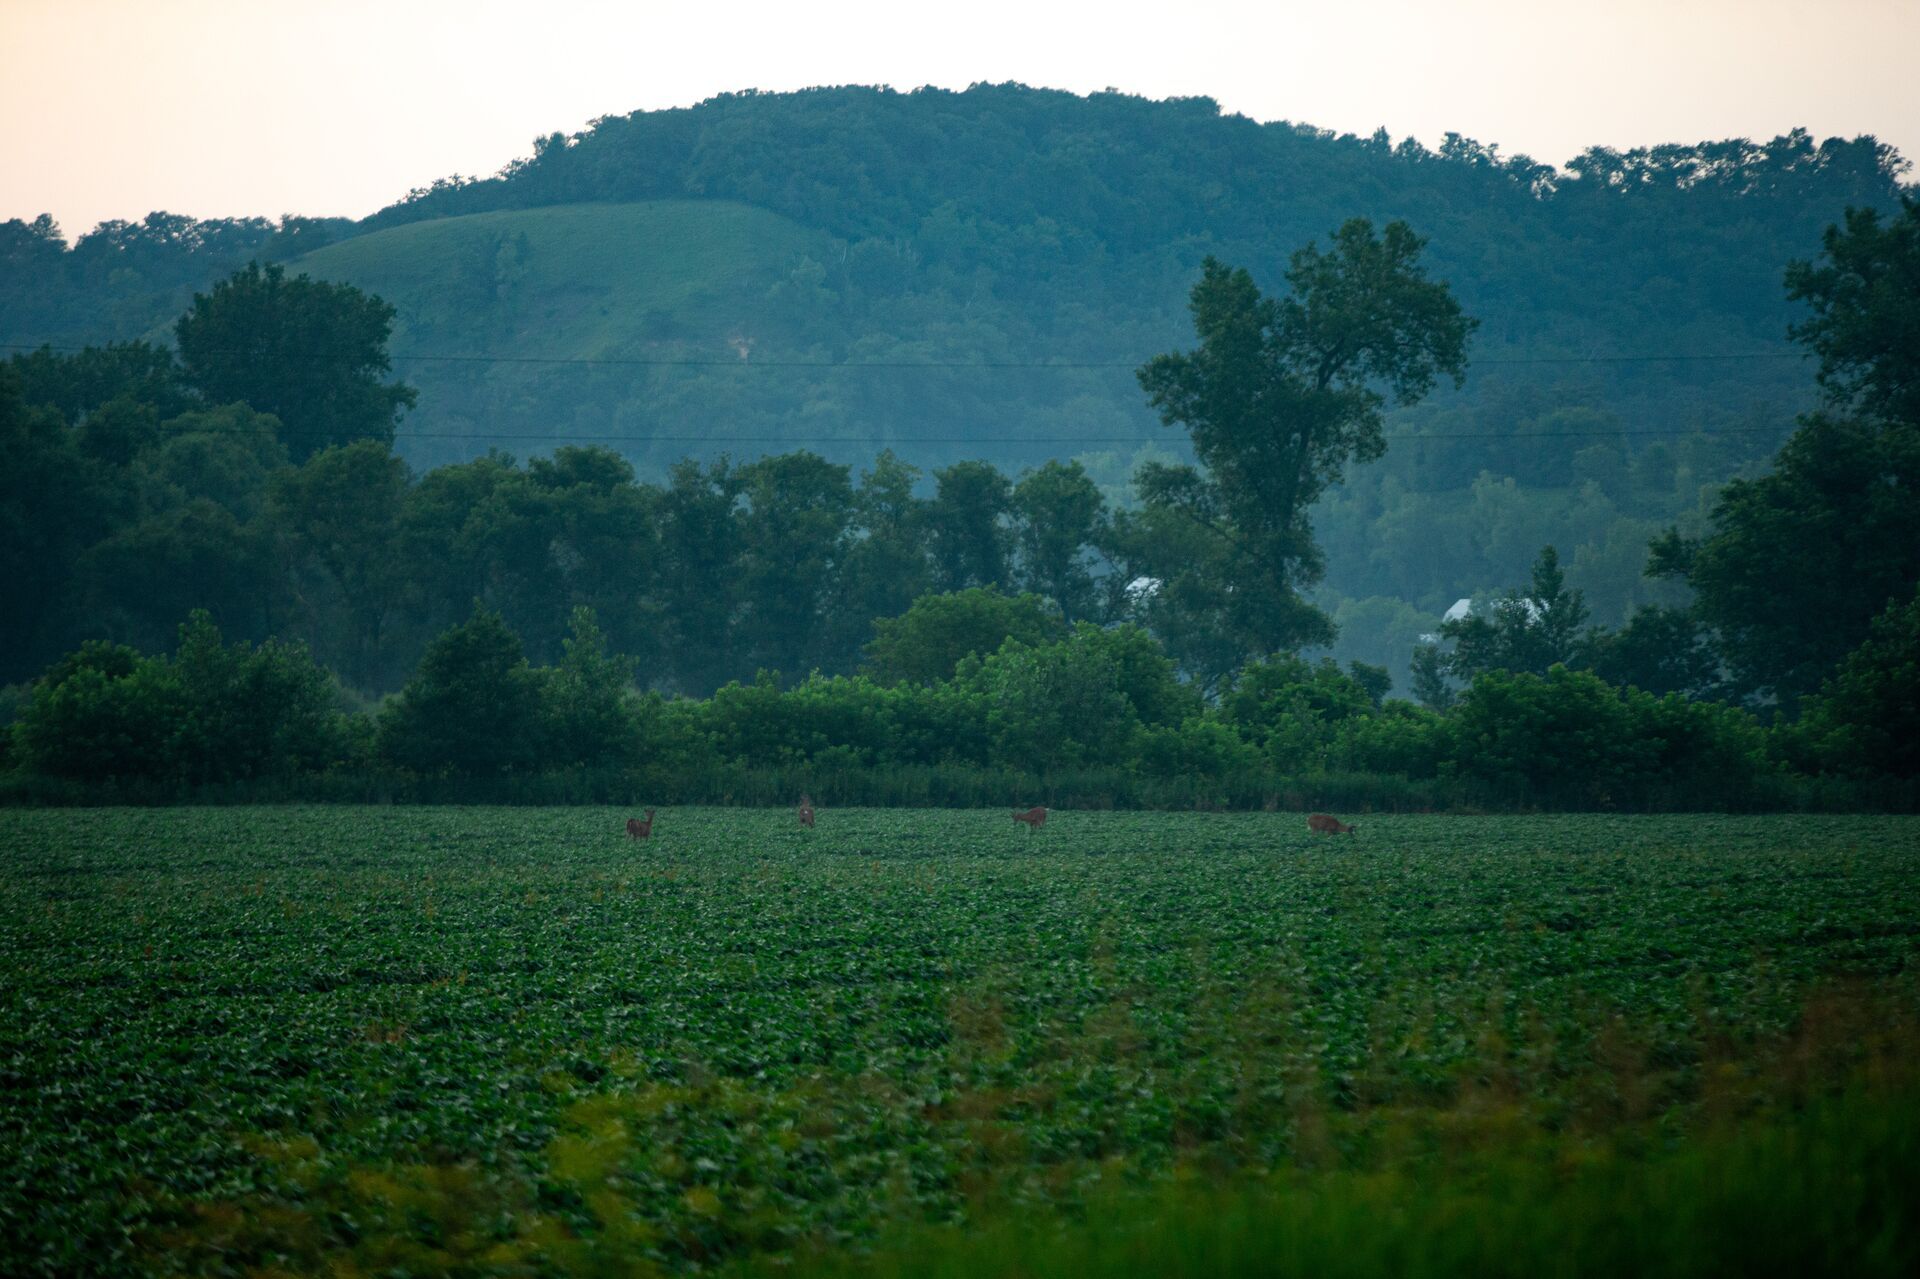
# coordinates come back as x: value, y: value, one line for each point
x: 1321, y: 824
x: 806, y: 812
x: 1035, y: 818
x: 637, y: 829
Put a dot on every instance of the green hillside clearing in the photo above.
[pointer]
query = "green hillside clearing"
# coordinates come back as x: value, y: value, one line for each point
x: 572, y: 281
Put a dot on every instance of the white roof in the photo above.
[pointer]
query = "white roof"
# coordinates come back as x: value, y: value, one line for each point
x: 1463, y: 607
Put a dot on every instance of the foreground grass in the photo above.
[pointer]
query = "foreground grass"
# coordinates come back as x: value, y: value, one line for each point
x: 472, y: 1041
x: 1833, y: 1189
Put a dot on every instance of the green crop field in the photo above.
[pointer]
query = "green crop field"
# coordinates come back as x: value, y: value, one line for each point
x: 237, y: 1038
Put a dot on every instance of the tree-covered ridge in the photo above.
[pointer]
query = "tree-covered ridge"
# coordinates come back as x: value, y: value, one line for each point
x: 1065, y: 207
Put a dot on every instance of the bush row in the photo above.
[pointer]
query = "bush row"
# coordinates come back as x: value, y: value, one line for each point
x: 1094, y: 718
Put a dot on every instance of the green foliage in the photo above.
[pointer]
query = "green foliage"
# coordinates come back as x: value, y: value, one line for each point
x: 77, y: 384
x: 590, y: 717
x: 103, y: 712
x: 474, y: 707
x: 339, y: 515
x: 789, y: 233
x: 889, y: 565
x: 250, y: 713
x: 54, y: 503
x: 1199, y: 749
x: 1432, y: 687
x: 1283, y: 393
x: 1801, y: 560
x: 1823, y: 1191
x: 1866, y: 717
x: 213, y: 713
x: 1059, y: 516
x: 1292, y: 708
x: 1660, y: 650
x: 969, y: 540
x: 1053, y: 706
x: 1568, y: 737
x: 1529, y: 632
x: 795, y: 533
x: 924, y: 644
x: 1864, y: 293
x: 310, y: 353
x: 224, y: 455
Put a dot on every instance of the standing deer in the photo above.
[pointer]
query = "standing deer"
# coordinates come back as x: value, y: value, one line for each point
x: 806, y: 812
x: 637, y: 829
x: 1033, y: 817
x: 1321, y: 824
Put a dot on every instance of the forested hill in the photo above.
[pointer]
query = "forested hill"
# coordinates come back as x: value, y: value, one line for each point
x: 677, y: 282
x: 999, y: 225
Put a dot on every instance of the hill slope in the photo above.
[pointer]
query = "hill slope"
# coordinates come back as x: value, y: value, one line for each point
x: 1005, y: 227
x: 550, y: 291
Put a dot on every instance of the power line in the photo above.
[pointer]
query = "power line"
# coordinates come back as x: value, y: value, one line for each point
x: 1406, y: 437
x: 1084, y: 440
x: 1000, y: 365
x: 1027, y: 439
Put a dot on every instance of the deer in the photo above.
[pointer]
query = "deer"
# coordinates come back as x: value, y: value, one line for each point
x: 1034, y: 818
x: 637, y: 829
x: 806, y: 812
x: 1321, y: 824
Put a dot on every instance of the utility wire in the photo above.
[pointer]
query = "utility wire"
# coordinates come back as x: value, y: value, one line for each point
x: 709, y: 438
x: 717, y: 362
x: 1408, y: 437
x: 1024, y: 439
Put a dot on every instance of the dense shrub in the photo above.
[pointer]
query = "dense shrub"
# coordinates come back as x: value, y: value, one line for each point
x: 927, y: 642
x: 1569, y: 738
x: 474, y: 707
x: 1865, y: 721
x: 212, y: 713
x: 1095, y: 718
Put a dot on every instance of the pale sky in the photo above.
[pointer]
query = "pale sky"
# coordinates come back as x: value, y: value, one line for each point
x: 114, y: 108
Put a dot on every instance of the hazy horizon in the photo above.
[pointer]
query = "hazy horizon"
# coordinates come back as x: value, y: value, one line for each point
x: 258, y: 110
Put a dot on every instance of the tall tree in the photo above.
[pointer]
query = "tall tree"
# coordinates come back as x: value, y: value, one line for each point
x: 54, y: 502
x: 886, y: 567
x: 1061, y: 516
x: 966, y: 523
x: 311, y: 353
x: 589, y: 699
x: 1864, y: 294
x: 337, y: 521
x: 795, y: 532
x: 1282, y: 393
x: 700, y: 589
x: 1799, y: 562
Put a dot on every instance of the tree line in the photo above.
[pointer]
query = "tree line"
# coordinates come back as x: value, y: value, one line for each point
x: 143, y: 489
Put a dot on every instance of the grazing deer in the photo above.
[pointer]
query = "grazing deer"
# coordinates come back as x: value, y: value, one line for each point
x: 1033, y: 817
x: 806, y: 812
x: 637, y: 829
x: 1321, y: 824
